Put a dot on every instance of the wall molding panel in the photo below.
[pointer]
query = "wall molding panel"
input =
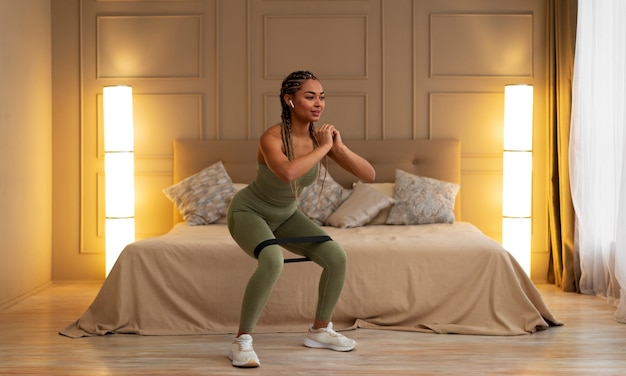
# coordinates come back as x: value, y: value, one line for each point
x: 474, y: 117
x: 342, y: 42
x: 481, y: 45
x: 149, y: 47
x: 169, y: 116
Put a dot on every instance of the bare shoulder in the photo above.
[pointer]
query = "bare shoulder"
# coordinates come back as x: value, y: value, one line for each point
x: 272, y: 134
x: 271, y: 139
x: 273, y: 130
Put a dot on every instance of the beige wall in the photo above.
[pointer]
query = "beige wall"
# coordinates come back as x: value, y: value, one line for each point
x: 68, y: 262
x: 211, y: 69
x: 25, y: 148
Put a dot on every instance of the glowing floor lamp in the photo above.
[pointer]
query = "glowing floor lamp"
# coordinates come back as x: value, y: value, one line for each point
x: 119, y: 171
x: 517, y: 172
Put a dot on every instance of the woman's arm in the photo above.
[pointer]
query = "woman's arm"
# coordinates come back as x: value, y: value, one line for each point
x: 272, y: 151
x: 350, y: 161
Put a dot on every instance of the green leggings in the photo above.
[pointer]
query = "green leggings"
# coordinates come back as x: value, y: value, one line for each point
x: 249, y: 227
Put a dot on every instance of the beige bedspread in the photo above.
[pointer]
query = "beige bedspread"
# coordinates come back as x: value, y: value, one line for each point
x: 436, y: 278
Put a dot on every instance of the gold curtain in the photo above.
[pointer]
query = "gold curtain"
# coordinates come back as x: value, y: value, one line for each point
x: 564, y: 270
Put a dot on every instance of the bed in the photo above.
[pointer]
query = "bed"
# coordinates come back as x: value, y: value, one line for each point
x: 442, y: 277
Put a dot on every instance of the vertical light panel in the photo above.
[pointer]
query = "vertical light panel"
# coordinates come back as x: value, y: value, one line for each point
x: 119, y: 171
x: 517, y: 173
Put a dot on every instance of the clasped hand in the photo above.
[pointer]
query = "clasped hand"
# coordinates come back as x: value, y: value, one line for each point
x: 327, y: 134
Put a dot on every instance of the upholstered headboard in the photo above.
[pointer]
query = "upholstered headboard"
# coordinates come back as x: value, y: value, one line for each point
x: 435, y: 158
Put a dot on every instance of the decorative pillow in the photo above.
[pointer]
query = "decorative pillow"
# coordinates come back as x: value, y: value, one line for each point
x: 318, y: 206
x: 360, y: 208
x: 422, y: 200
x: 387, y: 189
x: 203, y: 198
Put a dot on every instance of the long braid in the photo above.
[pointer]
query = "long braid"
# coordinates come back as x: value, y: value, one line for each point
x: 290, y: 85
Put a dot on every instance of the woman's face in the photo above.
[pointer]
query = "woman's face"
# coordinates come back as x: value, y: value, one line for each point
x: 308, y: 102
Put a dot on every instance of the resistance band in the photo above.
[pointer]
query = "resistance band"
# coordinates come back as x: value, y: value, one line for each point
x: 279, y: 241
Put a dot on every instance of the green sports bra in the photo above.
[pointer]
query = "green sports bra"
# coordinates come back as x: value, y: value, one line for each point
x: 278, y: 192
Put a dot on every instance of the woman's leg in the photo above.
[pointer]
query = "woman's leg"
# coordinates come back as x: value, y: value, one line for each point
x: 248, y: 230
x: 329, y: 255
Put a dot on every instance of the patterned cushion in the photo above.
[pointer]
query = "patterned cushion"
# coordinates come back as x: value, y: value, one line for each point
x: 320, y: 207
x: 361, y: 207
x: 203, y: 198
x: 422, y: 200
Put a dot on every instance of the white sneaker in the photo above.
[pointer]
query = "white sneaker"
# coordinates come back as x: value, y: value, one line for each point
x: 327, y: 338
x: 242, y: 354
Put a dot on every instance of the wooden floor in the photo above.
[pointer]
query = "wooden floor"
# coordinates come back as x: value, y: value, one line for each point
x: 590, y: 343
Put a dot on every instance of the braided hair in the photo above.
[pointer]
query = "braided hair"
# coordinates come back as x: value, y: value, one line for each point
x: 291, y: 84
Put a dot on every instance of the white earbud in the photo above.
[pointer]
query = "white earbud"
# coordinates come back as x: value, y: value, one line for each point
x: 291, y: 103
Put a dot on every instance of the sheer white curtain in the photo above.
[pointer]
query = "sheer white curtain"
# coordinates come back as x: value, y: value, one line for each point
x: 597, y: 144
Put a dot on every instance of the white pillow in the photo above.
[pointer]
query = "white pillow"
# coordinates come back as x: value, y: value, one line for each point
x: 387, y: 189
x: 318, y: 207
x: 360, y: 208
x: 203, y: 198
x: 422, y: 200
